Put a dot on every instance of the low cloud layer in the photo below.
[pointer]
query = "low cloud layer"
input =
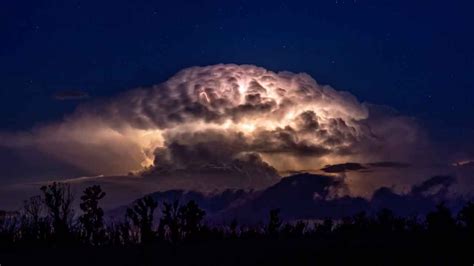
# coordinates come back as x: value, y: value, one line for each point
x: 70, y: 95
x: 367, y: 167
x: 308, y: 197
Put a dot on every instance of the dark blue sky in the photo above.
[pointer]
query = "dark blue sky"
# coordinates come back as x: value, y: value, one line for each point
x: 415, y: 56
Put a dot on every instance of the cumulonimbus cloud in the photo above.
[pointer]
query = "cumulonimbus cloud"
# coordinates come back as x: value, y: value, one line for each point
x: 221, y: 114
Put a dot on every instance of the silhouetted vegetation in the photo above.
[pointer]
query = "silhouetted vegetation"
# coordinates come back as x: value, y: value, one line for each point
x: 46, y: 231
x: 92, y: 219
x: 141, y: 216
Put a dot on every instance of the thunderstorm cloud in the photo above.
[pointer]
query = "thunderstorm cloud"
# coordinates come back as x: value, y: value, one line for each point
x: 242, y: 118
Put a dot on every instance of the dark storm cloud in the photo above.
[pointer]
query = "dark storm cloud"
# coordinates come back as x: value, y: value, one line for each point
x: 70, y: 95
x: 308, y: 121
x: 422, y: 197
x: 441, y: 183
x: 352, y: 166
x: 285, y: 140
x: 389, y: 164
x: 344, y: 167
x: 197, y: 148
x: 212, y: 152
x: 307, y: 196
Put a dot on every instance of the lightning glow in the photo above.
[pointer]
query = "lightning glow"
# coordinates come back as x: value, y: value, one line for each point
x: 216, y: 114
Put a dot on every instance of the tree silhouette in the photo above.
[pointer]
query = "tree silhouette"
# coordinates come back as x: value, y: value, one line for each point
x: 438, y: 239
x: 8, y: 228
x: 233, y: 227
x: 293, y: 230
x: 387, y: 221
x: 33, y: 208
x: 190, y: 216
x: 274, y: 223
x: 92, y: 217
x: 361, y: 222
x: 440, y: 220
x: 58, y: 200
x: 141, y: 215
x: 33, y: 225
x: 179, y: 222
x: 326, y: 226
x: 169, y: 222
x: 466, y: 216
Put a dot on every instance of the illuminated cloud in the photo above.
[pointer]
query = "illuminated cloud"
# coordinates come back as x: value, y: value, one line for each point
x: 238, y: 117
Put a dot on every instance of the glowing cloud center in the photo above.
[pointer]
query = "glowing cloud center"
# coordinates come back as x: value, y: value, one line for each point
x: 283, y: 111
x: 215, y: 114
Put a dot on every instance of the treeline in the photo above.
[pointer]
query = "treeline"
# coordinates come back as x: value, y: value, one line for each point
x: 49, y: 221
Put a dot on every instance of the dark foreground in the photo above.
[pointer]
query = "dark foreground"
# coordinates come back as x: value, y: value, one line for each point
x: 45, y: 232
x: 252, y: 252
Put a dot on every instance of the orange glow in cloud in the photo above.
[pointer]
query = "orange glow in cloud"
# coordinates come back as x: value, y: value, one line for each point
x: 222, y: 111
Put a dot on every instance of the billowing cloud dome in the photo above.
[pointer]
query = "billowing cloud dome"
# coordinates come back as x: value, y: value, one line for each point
x: 221, y: 116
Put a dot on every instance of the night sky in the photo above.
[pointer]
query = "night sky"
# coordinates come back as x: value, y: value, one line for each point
x: 236, y: 132
x: 415, y: 56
